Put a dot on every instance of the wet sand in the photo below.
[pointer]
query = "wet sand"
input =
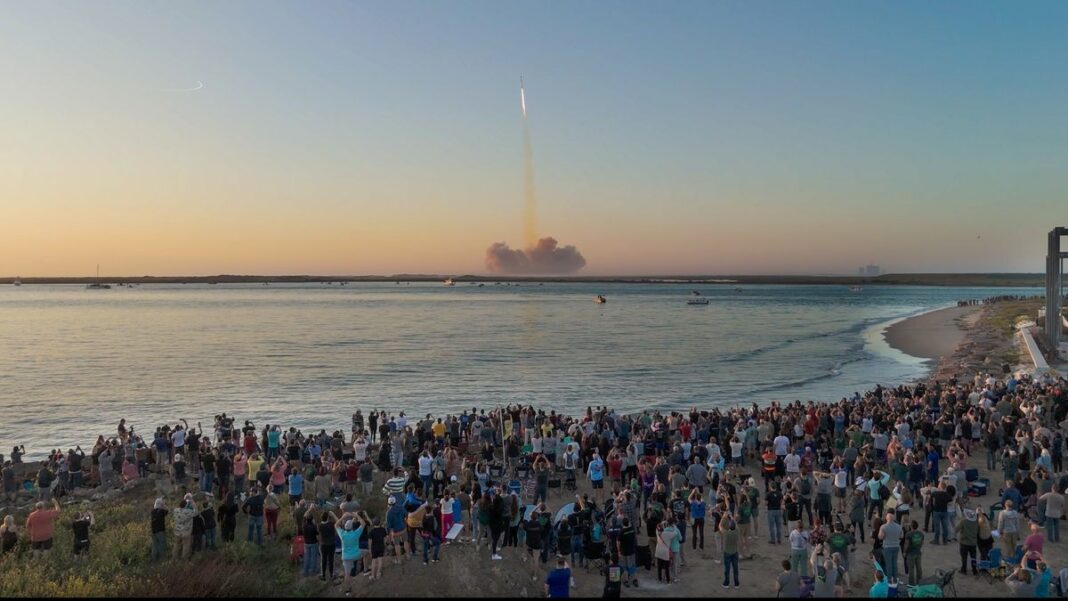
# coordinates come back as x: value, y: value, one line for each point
x: 932, y: 335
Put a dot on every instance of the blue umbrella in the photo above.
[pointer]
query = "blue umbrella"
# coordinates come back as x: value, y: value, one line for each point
x: 565, y: 511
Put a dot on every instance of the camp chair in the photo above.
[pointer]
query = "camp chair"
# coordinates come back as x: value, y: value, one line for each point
x: 992, y: 561
x: 594, y: 554
x: 947, y: 582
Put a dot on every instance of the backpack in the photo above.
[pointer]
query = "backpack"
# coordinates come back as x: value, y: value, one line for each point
x: 884, y: 492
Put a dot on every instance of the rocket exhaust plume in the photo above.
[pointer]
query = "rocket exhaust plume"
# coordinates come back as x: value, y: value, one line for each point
x: 530, y: 199
x: 542, y: 255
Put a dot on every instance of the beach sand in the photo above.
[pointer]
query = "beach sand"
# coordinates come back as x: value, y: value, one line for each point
x: 932, y: 335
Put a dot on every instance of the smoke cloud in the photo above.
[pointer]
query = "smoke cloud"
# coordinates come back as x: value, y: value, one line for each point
x: 544, y: 258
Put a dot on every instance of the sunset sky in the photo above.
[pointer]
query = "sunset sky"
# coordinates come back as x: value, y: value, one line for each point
x: 681, y: 137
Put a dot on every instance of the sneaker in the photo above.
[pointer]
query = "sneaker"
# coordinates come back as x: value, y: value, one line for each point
x: 496, y: 557
x: 726, y: 586
x: 737, y: 586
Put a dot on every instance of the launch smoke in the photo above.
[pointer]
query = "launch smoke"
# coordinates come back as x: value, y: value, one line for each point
x: 543, y: 258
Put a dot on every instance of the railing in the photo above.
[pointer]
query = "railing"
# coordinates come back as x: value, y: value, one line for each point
x: 1033, y: 350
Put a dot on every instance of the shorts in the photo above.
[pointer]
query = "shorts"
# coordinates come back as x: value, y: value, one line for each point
x: 81, y: 547
x: 350, y: 566
x: 597, y: 484
x: 42, y: 545
x: 294, y: 499
x: 840, y: 493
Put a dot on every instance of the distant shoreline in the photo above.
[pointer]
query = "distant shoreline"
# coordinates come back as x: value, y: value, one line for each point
x: 916, y: 279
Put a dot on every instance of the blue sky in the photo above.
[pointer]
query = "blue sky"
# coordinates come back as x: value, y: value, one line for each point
x: 354, y: 137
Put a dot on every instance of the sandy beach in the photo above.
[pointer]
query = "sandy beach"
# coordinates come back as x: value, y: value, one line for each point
x: 932, y: 335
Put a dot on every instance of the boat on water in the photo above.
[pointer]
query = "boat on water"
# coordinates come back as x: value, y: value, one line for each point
x: 737, y: 289
x: 17, y: 282
x: 97, y: 285
x: 697, y: 300
x: 449, y: 282
x: 600, y: 300
x: 481, y: 285
x: 856, y: 289
x: 695, y: 293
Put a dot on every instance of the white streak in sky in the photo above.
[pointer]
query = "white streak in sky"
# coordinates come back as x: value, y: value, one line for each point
x: 522, y: 98
x: 199, y: 85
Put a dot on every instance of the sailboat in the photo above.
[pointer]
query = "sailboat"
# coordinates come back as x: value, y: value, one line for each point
x: 97, y: 285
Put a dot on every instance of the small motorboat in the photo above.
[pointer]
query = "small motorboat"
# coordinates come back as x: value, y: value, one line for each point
x: 449, y: 282
x: 856, y: 289
x: 697, y: 300
x: 695, y: 293
x: 600, y: 300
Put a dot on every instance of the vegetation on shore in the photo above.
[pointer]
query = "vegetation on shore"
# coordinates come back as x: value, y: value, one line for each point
x: 119, y: 562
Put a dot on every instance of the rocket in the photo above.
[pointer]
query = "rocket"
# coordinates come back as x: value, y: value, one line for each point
x: 522, y: 98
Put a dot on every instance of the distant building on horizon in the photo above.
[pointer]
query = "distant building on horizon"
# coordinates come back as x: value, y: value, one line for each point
x: 868, y: 271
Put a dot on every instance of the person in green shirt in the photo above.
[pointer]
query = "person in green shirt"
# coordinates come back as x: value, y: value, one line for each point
x: 914, y: 553
x: 729, y: 531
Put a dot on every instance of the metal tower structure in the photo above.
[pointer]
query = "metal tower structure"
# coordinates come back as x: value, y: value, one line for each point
x: 1055, y: 287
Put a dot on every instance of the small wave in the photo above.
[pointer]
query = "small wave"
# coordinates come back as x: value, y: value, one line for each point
x: 745, y: 355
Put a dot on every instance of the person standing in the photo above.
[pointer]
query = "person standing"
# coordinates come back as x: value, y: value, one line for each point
x: 183, y: 527
x: 731, y: 545
x: 1009, y: 527
x: 968, y: 540
x: 158, y: 523
x: 40, y: 526
x: 773, y: 503
x: 914, y: 553
x: 559, y: 581
x: 788, y: 582
x: 1054, y: 503
x: 890, y: 534
x: 799, y: 549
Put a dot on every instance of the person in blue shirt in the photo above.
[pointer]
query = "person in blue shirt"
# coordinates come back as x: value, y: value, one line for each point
x: 932, y: 463
x: 350, y: 535
x: 595, y: 471
x: 396, y: 526
x: 881, y: 588
x: 698, y: 509
x: 1012, y: 494
x: 558, y: 583
x: 296, y: 487
x: 1043, y: 576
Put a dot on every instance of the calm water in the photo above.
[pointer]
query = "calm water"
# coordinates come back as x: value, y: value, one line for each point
x: 74, y: 361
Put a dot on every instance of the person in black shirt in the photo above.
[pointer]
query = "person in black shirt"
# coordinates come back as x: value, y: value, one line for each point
x: 627, y: 548
x: 227, y: 517
x: 310, y: 532
x: 208, y: 515
x: 159, y: 529
x: 254, y: 506
x: 613, y: 575
x: 327, y: 544
x: 773, y: 500
x: 377, y: 536
x: 81, y: 524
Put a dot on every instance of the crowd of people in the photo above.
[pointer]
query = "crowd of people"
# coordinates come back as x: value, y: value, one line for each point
x: 877, y: 476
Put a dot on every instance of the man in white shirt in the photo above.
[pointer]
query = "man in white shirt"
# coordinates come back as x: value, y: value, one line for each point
x: 793, y: 464
x: 426, y: 469
x: 781, y: 445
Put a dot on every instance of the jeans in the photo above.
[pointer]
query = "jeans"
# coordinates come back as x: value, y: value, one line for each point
x: 255, y: 523
x: 426, y: 484
x: 698, y: 532
x: 311, y: 560
x: 159, y: 545
x: 239, y: 484
x: 890, y: 557
x: 799, y: 562
x: 941, y: 526
x: 207, y: 481
x: 1053, y: 529
x: 775, y: 526
x: 967, y: 551
x: 914, y: 563
x: 209, y: 538
x: 730, y: 564
x: 991, y: 460
x: 427, y: 542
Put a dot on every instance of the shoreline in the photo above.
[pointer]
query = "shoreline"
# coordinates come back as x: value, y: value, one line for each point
x: 932, y: 335
x: 991, y: 280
